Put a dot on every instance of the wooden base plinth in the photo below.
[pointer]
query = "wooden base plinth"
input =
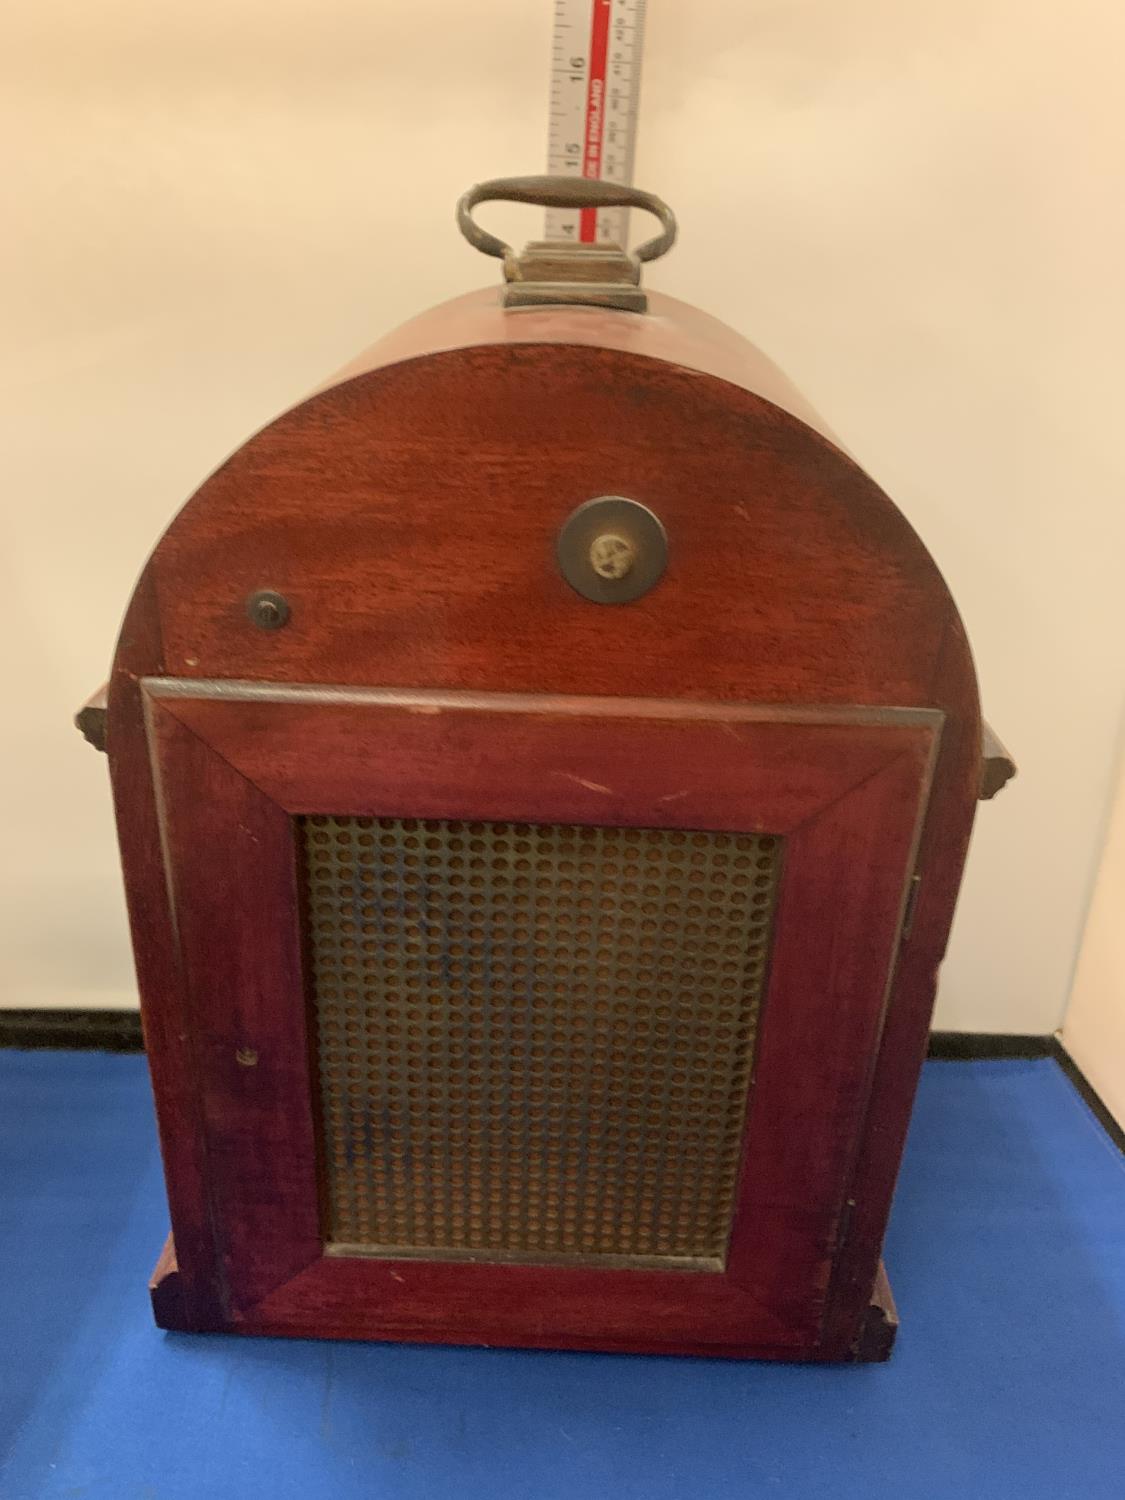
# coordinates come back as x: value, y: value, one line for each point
x: 877, y: 1337
x: 174, y: 1309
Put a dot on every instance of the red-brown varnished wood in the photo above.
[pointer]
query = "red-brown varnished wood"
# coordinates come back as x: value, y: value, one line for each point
x: 845, y: 790
x: 902, y: 1048
x: 169, y: 1042
x: 408, y: 514
x: 540, y: 759
x: 671, y: 330
x: 233, y: 872
x: 441, y: 570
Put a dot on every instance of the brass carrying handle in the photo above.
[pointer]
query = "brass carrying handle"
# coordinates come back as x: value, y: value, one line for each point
x: 562, y: 192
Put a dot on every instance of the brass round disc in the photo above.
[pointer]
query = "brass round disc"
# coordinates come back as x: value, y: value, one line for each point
x: 612, y: 550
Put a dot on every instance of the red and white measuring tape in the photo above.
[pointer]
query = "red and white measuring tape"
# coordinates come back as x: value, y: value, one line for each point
x: 595, y: 87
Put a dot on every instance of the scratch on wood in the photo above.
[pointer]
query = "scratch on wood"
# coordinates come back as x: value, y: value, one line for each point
x: 674, y: 796
x: 591, y: 786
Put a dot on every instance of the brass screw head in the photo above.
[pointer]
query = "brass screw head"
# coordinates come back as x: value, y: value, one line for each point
x: 611, y: 549
x: 268, y: 609
x: 612, y: 556
x: 246, y: 1057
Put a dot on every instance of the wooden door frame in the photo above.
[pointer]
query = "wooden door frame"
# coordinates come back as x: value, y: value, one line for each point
x: 234, y: 763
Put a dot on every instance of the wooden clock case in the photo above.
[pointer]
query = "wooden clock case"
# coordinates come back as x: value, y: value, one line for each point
x: 799, y: 673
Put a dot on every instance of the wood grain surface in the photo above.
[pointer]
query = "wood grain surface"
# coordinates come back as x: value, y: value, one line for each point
x: 408, y: 515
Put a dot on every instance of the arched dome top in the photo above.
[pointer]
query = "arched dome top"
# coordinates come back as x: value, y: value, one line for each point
x: 407, y: 511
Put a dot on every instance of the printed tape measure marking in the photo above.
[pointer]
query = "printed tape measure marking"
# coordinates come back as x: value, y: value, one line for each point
x: 595, y: 87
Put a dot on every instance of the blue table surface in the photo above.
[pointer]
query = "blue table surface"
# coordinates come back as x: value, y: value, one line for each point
x: 1006, y: 1254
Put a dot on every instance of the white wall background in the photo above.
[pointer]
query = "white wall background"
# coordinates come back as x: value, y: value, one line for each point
x: 1093, y: 1029
x: 916, y: 209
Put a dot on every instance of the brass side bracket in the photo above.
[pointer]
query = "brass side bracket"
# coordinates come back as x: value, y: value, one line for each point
x: 90, y: 718
x: 997, y: 766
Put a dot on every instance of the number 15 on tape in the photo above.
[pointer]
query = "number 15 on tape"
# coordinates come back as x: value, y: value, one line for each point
x: 595, y: 84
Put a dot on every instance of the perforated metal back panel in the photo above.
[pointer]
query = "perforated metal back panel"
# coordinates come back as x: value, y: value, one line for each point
x: 534, y: 1042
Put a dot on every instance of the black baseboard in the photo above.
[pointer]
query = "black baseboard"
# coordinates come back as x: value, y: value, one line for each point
x: 120, y: 1031
x: 1093, y: 1101
x: 74, y: 1030
x: 967, y: 1046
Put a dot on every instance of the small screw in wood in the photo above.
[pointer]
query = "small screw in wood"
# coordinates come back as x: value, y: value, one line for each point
x: 612, y: 556
x: 268, y: 610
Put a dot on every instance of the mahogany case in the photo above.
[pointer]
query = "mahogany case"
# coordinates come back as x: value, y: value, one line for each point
x: 437, y: 1055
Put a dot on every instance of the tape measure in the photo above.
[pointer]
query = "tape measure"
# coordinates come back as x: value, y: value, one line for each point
x: 595, y: 89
